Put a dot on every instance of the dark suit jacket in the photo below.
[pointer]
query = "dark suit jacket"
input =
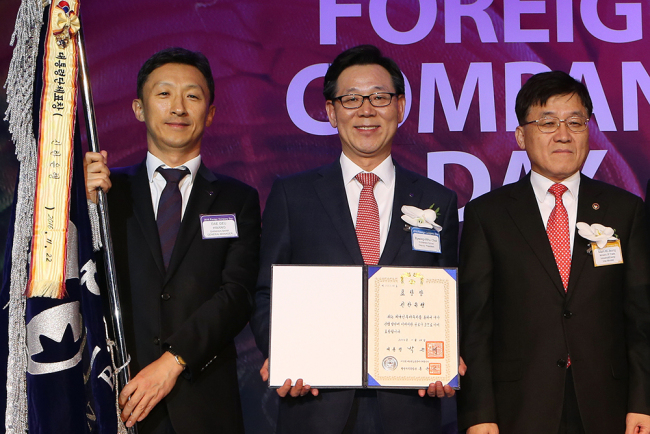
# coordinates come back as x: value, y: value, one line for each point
x: 307, y: 221
x: 518, y: 325
x: 199, y: 305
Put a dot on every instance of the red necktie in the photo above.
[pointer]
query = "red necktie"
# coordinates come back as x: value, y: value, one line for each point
x: 368, y: 219
x: 557, y: 230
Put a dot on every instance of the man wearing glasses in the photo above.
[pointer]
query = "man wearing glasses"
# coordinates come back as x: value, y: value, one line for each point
x: 348, y: 212
x: 554, y: 286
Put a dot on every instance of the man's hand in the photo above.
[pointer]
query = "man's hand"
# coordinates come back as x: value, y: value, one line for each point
x: 146, y: 390
x: 437, y: 390
x: 483, y: 428
x: 462, y: 368
x: 298, y: 390
x: 636, y: 423
x: 264, y: 372
x: 96, y: 173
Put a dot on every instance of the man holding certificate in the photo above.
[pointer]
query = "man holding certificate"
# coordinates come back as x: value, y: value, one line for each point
x: 349, y: 213
x: 555, y: 286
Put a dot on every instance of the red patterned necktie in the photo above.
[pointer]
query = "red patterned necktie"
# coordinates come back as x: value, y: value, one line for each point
x: 557, y: 230
x: 368, y: 219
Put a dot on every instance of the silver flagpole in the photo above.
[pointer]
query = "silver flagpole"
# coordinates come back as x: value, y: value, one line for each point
x: 121, y: 355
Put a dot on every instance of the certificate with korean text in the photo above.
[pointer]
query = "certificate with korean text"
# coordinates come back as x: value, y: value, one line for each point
x: 363, y: 326
x: 412, y: 327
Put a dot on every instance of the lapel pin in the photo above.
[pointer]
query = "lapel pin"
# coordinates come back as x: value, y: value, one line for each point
x: 410, y: 194
x: 210, y: 192
x: 595, y: 206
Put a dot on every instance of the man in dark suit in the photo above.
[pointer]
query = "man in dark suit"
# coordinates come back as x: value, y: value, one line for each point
x: 554, y: 343
x: 186, y: 292
x: 313, y: 218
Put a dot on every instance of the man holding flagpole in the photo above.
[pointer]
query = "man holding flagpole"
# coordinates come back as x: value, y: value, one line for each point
x: 186, y: 248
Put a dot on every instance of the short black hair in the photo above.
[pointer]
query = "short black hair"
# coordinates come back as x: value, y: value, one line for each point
x: 177, y: 55
x: 541, y: 87
x: 361, y: 55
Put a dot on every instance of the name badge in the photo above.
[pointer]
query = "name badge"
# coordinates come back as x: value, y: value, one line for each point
x: 219, y: 226
x: 609, y: 255
x: 425, y: 240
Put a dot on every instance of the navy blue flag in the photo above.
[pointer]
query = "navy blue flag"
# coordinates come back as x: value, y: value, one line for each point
x: 69, y: 379
x: 70, y: 383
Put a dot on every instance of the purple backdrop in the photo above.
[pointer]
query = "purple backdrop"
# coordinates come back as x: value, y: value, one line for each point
x: 463, y: 62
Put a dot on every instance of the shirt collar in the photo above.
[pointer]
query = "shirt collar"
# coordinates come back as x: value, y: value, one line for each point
x: 154, y: 163
x: 541, y: 184
x: 385, y: 171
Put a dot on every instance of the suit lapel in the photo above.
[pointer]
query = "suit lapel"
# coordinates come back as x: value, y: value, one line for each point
x: 524, y: 211
x: 406, y: 193
x: 587, y: 196
x: 143, y: 210
x: 204, y: 192
x: 331, y: 192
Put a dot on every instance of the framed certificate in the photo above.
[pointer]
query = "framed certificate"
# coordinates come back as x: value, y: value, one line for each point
x: 364, y: 326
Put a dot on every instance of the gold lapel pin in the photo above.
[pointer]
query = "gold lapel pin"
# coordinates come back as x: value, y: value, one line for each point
x: 595, y: 206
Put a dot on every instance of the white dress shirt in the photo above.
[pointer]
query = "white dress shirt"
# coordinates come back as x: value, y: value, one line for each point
x: 157, y: 182
x: 546, y: 200
x: 384, y: 192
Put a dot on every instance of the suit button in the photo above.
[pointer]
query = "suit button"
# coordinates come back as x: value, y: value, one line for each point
x: 165, y: 296
x: 568, y: 314
x: 561, y: 363
x: 156, y: 341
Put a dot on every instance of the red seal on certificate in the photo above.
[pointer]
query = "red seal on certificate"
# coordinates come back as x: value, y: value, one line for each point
x: 435, y: 350
x: 435, y: 369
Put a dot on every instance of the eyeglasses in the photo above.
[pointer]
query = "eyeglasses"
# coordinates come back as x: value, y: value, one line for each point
x: 550, y: 124
x: 354, y: 101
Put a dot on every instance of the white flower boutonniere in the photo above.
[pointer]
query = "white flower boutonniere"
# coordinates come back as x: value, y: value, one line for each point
x: 420, y: 218
x: 596, y: 233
